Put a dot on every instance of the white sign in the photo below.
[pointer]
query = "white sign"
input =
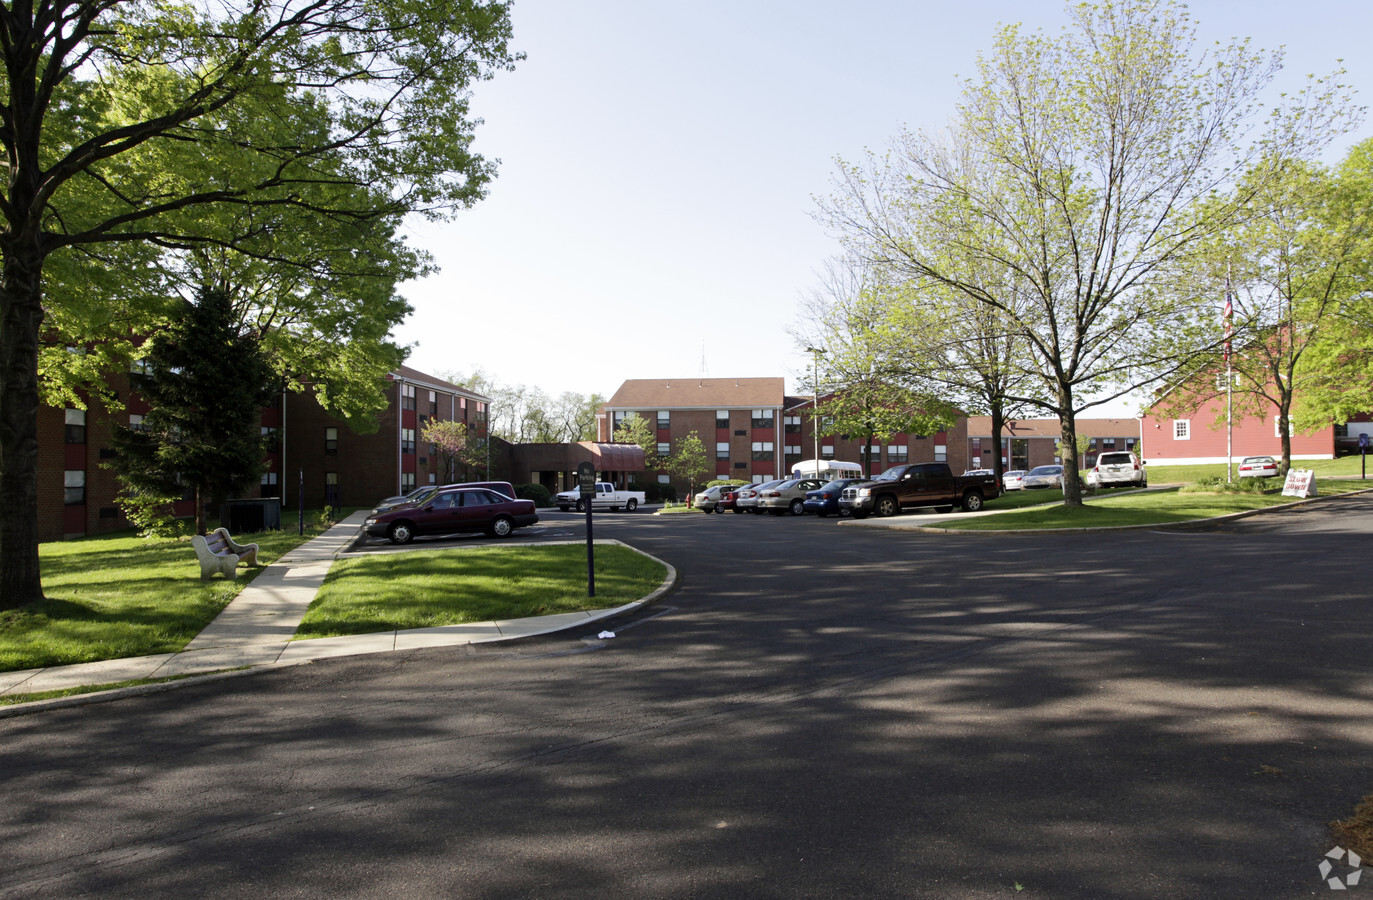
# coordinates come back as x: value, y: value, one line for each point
x: 1300, y: 483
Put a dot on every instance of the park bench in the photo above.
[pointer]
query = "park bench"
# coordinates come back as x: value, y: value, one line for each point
x: 218, y: 552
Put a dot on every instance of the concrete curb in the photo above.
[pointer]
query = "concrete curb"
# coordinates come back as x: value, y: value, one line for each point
x: 304, y: 652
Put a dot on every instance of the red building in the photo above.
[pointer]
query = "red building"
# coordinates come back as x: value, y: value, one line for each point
x: 312, y: 453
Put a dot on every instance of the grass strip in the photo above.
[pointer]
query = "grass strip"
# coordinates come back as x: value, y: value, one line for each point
x: 112, y: 597
x: 1143, y: 508
x: 428, y: 588
x: 56, y: 694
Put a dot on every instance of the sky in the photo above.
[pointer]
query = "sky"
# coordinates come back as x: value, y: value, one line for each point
x: 660, y: 164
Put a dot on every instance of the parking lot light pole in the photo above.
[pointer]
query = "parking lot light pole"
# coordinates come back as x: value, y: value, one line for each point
x: 815, y: 353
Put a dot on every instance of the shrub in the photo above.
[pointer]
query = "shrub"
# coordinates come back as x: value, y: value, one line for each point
x: 324, y: 519
x: 1216, y: 484
x: 150, y: 513
x: 538, y: 493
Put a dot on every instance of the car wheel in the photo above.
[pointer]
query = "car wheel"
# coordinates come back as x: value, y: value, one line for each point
x: 972, y: 501
x: 798, y: 507
x: 943, y: 509
x: 631, y: 505
x: 564, y: 508
x: 1144, y: 483
x: 401, y: 533
x: 887, y: 506
x: 501, y: 527
x: 859, y: 513
x: 581, y: 506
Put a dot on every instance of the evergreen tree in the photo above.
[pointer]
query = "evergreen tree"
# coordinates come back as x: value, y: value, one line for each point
x: 208, y: 381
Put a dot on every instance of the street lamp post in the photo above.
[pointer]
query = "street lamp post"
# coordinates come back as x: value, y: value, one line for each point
x: 815, y: 353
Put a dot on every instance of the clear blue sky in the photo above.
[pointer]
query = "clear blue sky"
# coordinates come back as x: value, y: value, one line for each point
x: 659, y: 164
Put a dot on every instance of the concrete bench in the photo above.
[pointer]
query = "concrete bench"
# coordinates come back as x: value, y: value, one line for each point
x: 218, y: 552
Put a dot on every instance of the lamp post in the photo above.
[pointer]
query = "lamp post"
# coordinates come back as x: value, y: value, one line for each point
x: 815, y: 353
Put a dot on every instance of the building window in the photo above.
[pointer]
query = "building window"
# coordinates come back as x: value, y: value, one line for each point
x: 271, y: 439
x: 407, y: 440
x: 941, y: 452
x: 664, y: 449
x: 722, y: 450
x: 271, y: 487
x: 721, y: 418
x: 827, y: 451
x: 664, y: 418
x: 897, y: 453
x: 1182, y: 429
x: 76, y: 426
x: 1129, y: 443
x: 136, y: 423
x: 433, y: 403
x: 762, y: 418
x: 791, y: 425
x: 665, y: 479
x: 1108, y: 444
x: 73, y: 487
x: 407, y: 396
x: 762, y: 451
x: 616, y: 420
x: 331, y: 441
x: 407, y: 482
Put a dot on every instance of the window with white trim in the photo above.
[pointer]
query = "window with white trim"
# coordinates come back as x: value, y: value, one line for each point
x: 1182, y: 429
x: 898, y: 453
x: 664, y: 418
x: 762, y: 451
x: 665, y: 479
x: 73, y: 486
x: 664, y: 449
x: 827, y: 451
x: 941, y: 452
x: 762, y: 418
x: 721, y: 418
x: 722, y: 450
x: 136, y: 423
x: 76, y: 426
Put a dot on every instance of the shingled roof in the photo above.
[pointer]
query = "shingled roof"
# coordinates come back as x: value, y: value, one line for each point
x: 699, y: 393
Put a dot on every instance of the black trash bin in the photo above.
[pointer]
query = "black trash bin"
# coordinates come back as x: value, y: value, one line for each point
x: 244, y: 516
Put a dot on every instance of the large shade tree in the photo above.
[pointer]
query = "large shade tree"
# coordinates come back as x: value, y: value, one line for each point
x: 1078, y: 165
x: 127, y: 123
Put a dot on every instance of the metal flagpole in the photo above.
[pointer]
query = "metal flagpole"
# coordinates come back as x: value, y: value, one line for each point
x: 1229, y: 380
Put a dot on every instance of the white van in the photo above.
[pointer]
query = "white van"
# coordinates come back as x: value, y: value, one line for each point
x: 826, y: 469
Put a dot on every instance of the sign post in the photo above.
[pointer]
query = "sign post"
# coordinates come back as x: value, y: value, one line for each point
x: 1363, y: 455
x: 586, y: 484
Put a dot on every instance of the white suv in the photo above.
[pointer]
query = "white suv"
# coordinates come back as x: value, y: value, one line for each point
x: 1117, y: 468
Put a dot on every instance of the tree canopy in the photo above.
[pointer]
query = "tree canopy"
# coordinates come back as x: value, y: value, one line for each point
x: 272, y: 130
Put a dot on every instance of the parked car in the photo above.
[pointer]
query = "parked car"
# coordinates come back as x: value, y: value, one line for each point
x: 420, y: 494
x: 729, y: 499
x: 709, y: 500
x: 392, y: 502
x: 1011, y: 481
x: 1043, y: 477
x: 824, y: 500
x: 747, y: 500
x: 1117, y: 468
x: 788, y: 496
x: 1258, y: 467
x: 453, y: 511
x: 606, y: 496
x: 918, y: 485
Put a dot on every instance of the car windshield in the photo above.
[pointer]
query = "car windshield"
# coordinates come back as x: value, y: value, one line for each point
x: 1047, y: 470
x: 892, y: 474
x: 1111, y: 459
x: 1257, y: 460
x: 838, y: 484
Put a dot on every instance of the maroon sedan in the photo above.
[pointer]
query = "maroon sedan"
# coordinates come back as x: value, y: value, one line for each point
x: 729, y: 499
x: 450, y: 512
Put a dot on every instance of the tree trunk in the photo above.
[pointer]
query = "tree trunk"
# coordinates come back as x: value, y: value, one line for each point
x: 998, y: 423
x: 21, y: 317
x: 1072, y: 489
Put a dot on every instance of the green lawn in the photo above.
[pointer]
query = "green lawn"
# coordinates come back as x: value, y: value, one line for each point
x: 427, y: 588
x: 119, y: 595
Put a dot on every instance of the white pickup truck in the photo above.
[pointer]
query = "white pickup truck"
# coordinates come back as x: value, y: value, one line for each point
x: 606, y: 497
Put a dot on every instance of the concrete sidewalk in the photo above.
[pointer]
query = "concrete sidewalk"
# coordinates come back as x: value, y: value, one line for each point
x: 255, y: 629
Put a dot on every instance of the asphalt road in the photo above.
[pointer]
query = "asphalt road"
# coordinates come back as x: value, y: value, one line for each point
x: 819, y: 711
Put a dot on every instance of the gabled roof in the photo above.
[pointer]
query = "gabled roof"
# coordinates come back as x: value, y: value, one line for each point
x: 415, y: 376
x: 698, y: 393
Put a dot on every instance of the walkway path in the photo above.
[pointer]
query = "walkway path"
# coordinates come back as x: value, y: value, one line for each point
x: 255, y: 629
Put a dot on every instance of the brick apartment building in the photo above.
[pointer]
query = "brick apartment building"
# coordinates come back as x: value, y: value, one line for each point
x: 311, y: 452
x: 755, y: 431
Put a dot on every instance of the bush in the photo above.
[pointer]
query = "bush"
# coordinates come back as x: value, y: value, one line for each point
x: 151, y: 514
x: 1216, y: 484
x: 541, y: 496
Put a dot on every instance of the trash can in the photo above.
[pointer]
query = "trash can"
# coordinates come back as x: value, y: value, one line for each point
x: 244, y: 516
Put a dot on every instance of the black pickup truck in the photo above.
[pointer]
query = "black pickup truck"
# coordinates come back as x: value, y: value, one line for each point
x: 917, y: 485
